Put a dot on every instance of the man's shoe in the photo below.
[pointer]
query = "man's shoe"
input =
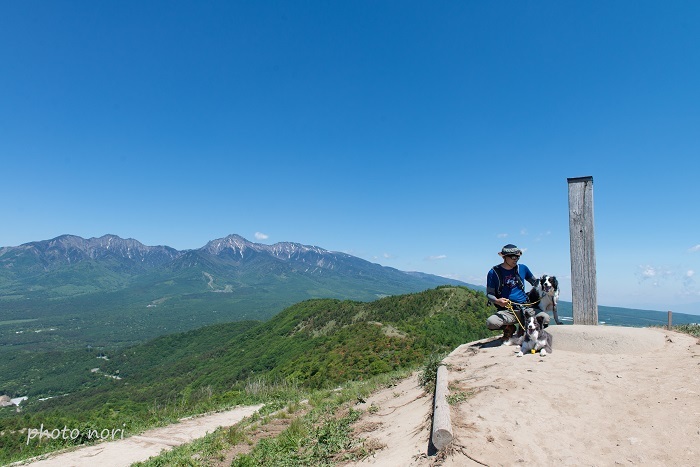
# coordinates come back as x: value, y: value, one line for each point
x: 508, y: 332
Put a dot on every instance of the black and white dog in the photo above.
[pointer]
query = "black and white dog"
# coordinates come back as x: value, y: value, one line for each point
x: 536, y: 339
x: 546, y: 294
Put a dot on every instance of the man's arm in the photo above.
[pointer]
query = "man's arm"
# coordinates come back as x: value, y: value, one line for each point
x: 491, y: 284
x: 529, y: 276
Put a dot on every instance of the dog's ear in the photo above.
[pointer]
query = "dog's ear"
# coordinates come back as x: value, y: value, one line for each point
x: 540, y: 320
x: 555, y: 283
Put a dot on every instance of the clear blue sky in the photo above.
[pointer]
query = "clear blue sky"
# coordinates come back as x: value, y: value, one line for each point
x: 418, y: 135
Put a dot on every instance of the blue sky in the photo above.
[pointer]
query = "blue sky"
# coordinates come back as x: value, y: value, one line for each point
x: 418, y: 135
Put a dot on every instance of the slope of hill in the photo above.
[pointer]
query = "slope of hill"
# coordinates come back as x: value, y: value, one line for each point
x: 313, y: 344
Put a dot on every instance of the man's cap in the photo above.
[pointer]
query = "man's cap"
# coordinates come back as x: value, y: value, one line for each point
x: 510, y: 249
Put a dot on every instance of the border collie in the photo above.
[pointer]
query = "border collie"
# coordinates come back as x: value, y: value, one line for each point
x: 536, y: 338
x: 546, y: 294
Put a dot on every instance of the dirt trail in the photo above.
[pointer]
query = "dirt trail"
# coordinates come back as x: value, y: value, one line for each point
x: 124, y: 452
x: 605, y: 396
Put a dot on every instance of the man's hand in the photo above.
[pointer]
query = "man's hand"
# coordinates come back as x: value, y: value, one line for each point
x: 502, y: 302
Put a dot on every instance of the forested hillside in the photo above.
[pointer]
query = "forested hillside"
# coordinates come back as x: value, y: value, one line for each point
x: 315, y: 343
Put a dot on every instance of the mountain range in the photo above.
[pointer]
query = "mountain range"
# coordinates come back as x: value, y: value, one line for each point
x: 107, y: 290
x: 223, y: 265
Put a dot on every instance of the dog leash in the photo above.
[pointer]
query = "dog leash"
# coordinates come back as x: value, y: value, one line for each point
x: 509, y: 307
x: 533, y: 303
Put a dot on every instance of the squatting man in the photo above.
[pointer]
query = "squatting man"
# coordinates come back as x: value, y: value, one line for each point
x: 506, y: 291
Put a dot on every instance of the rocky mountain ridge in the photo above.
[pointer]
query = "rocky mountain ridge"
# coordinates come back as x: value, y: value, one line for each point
x: 71, y: 249
x: 247, y: 277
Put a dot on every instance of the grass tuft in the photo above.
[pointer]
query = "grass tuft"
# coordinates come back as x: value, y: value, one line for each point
x: 428, y: 376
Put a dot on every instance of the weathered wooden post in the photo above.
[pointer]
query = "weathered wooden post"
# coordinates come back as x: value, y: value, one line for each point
x: 442, y: 422
x: 584, y: 290
x: 670, y: 319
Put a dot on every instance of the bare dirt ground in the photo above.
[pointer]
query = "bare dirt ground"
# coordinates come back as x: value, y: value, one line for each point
x: 605, y: 396
x: 138, y: 448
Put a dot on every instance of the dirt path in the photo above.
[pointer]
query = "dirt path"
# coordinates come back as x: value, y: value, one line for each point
x: 605, y: 396
x: 124, y: 452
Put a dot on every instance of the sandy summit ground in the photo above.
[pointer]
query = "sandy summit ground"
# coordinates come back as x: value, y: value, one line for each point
x: 605, y: 396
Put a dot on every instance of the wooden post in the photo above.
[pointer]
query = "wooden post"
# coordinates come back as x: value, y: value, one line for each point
x: 442, y: 422
x: 584, y: 290
x: 669, y: 320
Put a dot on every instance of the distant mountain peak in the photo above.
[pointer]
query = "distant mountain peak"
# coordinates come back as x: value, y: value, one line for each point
x: 71, y: 249
x: 230, y: 242
x: 239, y: 245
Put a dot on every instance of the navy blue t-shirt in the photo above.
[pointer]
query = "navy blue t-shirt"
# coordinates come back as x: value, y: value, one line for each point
x: 510, y: 289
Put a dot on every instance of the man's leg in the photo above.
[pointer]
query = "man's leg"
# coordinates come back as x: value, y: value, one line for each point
x: 502, y: 320
x: 499, y: 320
